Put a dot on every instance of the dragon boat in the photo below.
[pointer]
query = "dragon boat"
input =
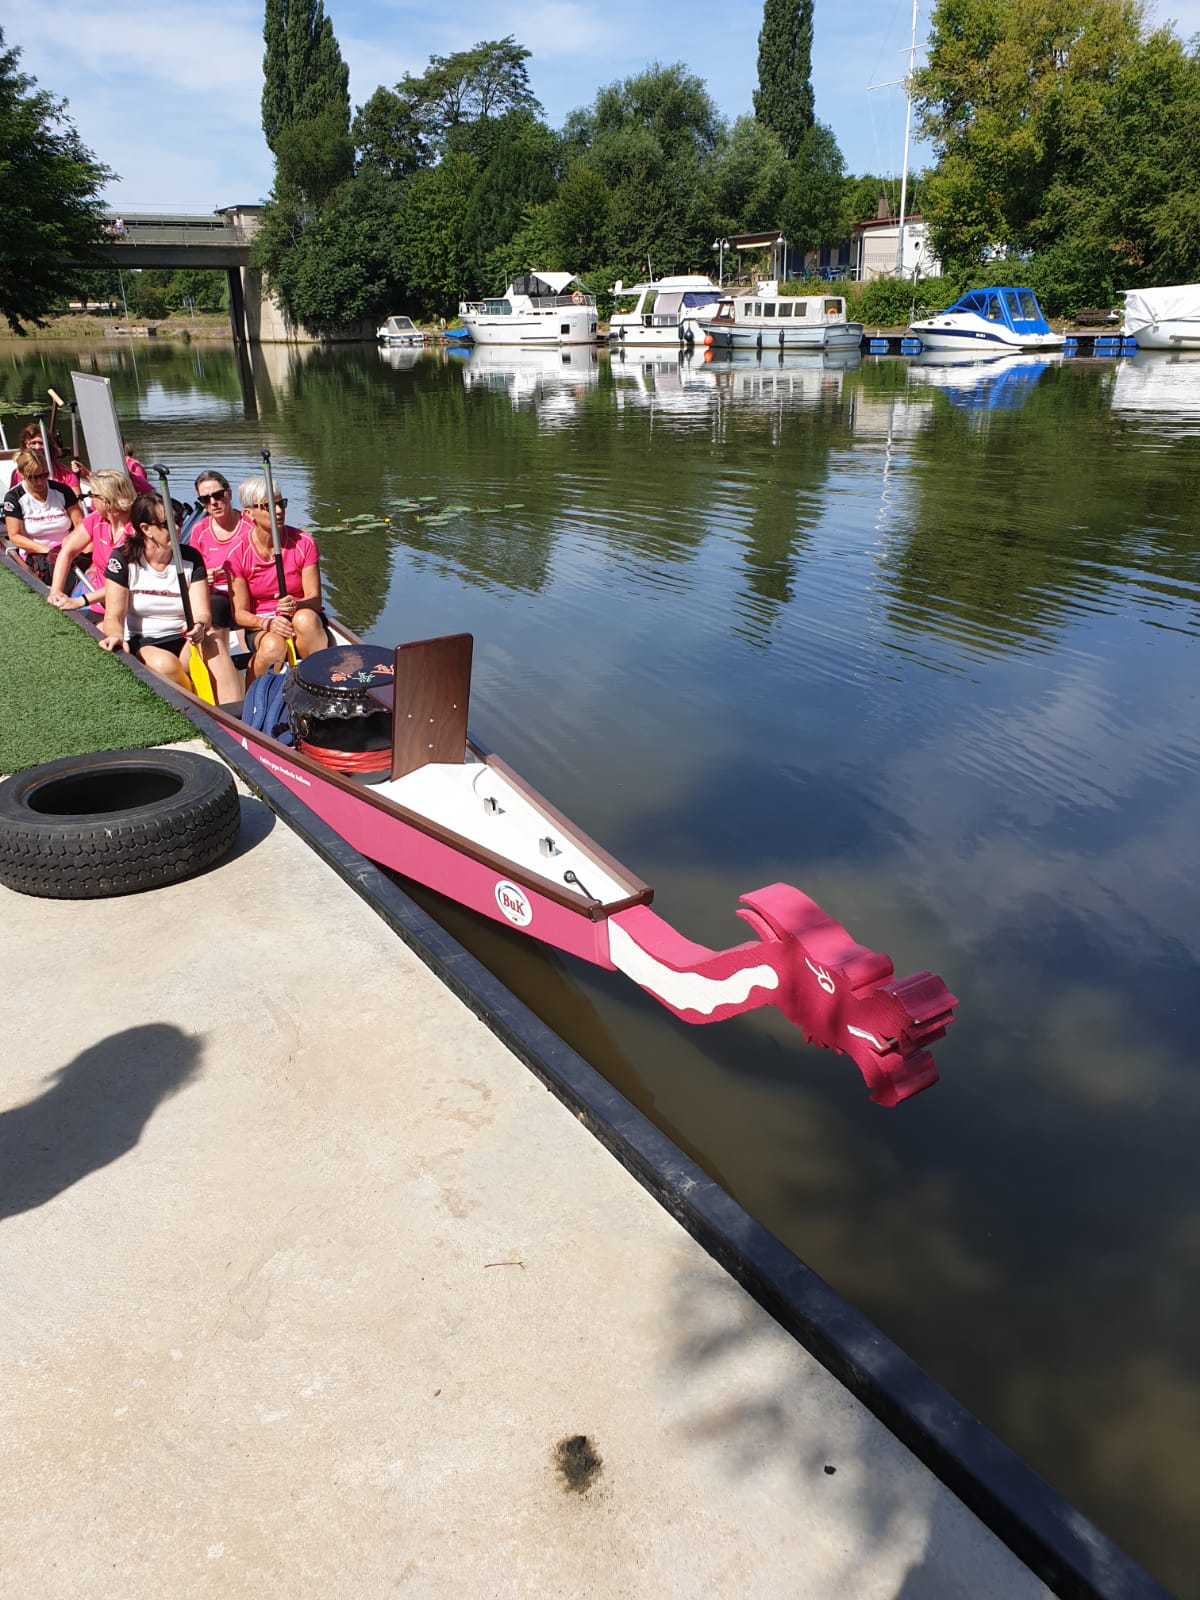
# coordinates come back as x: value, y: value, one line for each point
x: 375, y: 742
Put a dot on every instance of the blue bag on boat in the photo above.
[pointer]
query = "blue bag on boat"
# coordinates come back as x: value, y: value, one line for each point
x: 264, y: 708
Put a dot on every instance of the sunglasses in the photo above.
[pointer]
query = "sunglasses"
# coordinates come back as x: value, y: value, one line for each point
x: 214, y: 494
x: 280, y: 505
x: 36, y: 477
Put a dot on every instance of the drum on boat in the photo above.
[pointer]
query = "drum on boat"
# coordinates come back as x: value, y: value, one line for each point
x: 334, y: 715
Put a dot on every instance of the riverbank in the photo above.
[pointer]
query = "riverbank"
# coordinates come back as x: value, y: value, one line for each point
x: 205, y: 325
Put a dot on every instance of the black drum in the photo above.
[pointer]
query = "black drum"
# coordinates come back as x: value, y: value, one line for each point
x: 332, y: 714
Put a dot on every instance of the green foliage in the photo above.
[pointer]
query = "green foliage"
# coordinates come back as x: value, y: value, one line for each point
x: 783, y: 100
x: 313, y: 157
x: 52, y: 210
x: 748, y: 178
x: 430, y: 245
x: 481, y: 84
x: 516, y: 156
x: 304, y: 76
x: 339, y: 265
x: 388, y: 134
x: 882, y: 303
x: 579, y: 218
x: 810, y: 214
x: 535, y: 247
x: 650, y: 139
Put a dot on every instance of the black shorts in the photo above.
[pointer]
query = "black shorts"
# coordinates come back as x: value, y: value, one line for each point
x: 222, y: 610
x: 174, y: 642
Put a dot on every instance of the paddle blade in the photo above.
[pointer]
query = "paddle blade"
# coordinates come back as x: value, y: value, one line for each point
x: 201, y: 678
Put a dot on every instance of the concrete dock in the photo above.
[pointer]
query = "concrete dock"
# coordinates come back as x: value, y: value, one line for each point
x: 308, y: 1287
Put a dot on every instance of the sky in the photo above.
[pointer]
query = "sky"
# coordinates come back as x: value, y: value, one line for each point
x: 167, y: 93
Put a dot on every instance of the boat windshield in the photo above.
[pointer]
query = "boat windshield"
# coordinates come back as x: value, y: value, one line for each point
x: 497, y: 308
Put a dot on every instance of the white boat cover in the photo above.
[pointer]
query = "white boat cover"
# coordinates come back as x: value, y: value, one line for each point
x: 1178, y: 302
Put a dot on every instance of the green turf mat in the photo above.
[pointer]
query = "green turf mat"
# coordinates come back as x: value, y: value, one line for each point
x: 61, y: 695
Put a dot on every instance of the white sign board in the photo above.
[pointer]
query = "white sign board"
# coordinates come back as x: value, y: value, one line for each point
x: 103, y: 442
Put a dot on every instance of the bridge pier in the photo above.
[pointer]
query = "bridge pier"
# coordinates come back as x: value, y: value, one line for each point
x: 237, y: 305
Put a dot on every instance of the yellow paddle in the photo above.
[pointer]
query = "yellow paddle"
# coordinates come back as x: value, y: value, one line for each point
x: 197, y: 666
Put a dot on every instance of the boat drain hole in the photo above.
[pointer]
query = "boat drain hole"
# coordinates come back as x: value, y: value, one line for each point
x: 103, y: 792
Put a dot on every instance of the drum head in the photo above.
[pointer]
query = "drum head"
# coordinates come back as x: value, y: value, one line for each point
x: 346, y: 671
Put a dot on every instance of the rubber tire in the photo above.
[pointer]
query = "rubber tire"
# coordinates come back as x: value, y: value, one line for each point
x: 175, y: 814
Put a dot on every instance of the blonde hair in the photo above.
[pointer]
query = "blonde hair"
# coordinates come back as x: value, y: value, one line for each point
x: 30, y: 462
x: 114, y: 487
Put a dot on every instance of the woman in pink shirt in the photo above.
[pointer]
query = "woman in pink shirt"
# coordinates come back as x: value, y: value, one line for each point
x: 102, y: 529
x: 216, y: 535
x: 62, y: 470
x: 271, y: 620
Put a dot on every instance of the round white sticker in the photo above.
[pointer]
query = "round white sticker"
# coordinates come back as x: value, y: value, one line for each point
x: 514, y: 904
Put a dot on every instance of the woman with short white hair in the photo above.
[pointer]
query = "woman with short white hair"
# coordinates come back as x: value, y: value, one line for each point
x: 269, y: 620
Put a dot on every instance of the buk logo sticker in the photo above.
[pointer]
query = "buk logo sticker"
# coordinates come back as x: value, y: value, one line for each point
x: 514, y: 904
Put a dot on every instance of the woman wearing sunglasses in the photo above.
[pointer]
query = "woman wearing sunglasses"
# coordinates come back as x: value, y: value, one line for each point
x: 102, y: 529
x: 268, y: 619
x: 39, y: 513
x: 216, y: 535
x: 143, y: 609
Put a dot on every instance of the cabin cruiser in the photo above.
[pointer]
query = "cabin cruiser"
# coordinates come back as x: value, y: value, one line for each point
x: 1164, y: 319
x: 664, y: 312
x: 541, y: 308
x: 400, y: 330
x: 764, y: 319
x: 1008, y: 319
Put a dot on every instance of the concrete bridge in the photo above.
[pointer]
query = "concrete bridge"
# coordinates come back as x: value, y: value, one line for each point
x: 219, y: 240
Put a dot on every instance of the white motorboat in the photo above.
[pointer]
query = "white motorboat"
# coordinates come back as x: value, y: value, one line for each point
x: 539, y: 308
x: 667, y: 311
x: 1001, y: 318
x: 1164, y: 319
x: 764, y: 320
x: 400, y: 330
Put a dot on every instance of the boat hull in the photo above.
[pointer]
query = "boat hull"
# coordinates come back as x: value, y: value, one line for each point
x: 834, y: 336
x: 1169, y: 336
x: 562, y: 326
x: 934, y: 337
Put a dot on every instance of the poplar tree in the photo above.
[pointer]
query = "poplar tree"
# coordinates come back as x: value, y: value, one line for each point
x: 783, y: 100
x: 304, y: 76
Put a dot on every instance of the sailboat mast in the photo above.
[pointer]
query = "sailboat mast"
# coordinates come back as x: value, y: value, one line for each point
x: 908, y: 95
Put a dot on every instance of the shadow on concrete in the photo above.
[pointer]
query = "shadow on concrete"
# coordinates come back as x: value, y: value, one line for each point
x: 93, y: 1114
x: 257, y: 821
x: 749, y: 1405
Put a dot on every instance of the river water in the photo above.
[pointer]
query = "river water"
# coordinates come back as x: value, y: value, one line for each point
x: 922, y: 641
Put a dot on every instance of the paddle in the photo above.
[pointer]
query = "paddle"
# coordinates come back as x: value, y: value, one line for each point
x: 197, y: 666
x: 277, y: 544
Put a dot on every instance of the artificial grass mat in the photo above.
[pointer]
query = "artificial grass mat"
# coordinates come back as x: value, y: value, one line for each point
x: 61, y: 695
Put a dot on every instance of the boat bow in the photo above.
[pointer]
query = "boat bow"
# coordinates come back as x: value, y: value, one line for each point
x: 843, y: 995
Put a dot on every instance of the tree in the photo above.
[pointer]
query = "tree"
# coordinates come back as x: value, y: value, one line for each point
x: 487, y: 81
x: 517, y: 158
x: 430, y: 246
x: 810, y: 215
x: 579, y: 218
x: 304, y: 76
x: 389, y: 134
x: 749, y: 178
x: 52, y: 209
x: 1014, y: 99
x: 651, y: 138
x: 783, y: 100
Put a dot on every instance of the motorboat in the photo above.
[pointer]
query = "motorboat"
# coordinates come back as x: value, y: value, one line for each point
x: 400, y: 330
x: 667, y: 311
x: 538, y: 308
x: 1164, y: 319
x: 764, y: 320
x: 1010, y: 319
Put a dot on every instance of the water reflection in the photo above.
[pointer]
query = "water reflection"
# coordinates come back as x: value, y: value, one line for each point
x: 551, y: 382
x: 976, y: 382
x: 1159, y: 392
x: 750, y: 622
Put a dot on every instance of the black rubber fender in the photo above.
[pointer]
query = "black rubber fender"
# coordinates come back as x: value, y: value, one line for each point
x: 118, y: 822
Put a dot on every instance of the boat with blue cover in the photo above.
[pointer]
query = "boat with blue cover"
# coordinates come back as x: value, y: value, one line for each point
x: 997, y: 319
